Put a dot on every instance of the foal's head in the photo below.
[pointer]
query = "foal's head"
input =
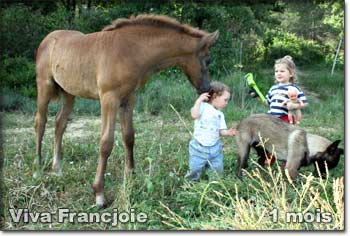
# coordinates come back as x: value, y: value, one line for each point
x: 194, y: 58
x: 196, y: 65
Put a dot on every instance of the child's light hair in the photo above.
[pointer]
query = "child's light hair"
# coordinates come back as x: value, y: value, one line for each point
x: 218, y: 88
x: 288, y: 61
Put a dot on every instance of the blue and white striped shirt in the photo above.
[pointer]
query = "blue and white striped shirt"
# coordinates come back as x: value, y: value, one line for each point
x: 277, y: 95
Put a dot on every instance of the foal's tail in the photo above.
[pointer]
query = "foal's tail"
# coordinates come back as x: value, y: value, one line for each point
x: 55, y: 90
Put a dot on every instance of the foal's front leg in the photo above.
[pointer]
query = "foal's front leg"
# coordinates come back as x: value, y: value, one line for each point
x: 109, y: 104
x: 125, y: 116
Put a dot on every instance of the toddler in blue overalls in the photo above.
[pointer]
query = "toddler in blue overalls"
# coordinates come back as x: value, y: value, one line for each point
x: 205, y: 148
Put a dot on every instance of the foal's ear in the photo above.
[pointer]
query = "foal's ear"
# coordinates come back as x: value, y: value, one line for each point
x: 207, y: 41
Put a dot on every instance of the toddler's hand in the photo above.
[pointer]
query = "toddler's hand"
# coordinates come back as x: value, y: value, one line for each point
x: 228, y: 132
x: 204, y: 97
x: 253, y: 94
x: 231, y: 132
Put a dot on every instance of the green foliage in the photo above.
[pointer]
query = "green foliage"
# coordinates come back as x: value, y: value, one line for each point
x: 18, y: 74
x: 305, y: 52
x: 55, y: 20
x: 21, y: 31
x: 322, y: 83
x: 92, y: 20
x: 159, y: 93
x: 12, y: 101
x: 248, y: 37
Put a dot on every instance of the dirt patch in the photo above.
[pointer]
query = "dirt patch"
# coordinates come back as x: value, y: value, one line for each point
x: 83, y: 127
x: 78, y: 127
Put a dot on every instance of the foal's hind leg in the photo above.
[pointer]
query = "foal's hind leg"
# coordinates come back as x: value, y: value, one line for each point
x: 46, y: 91
x: 61, y: 124
x: 125, y: 116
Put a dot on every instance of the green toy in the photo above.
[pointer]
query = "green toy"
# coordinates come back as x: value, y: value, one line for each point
x: 251, y: 83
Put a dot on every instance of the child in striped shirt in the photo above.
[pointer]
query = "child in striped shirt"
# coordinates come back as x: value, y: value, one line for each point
x: 277, y: 96
x: 285, y: 75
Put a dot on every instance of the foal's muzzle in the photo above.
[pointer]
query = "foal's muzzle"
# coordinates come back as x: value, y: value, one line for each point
x: 204, y: 87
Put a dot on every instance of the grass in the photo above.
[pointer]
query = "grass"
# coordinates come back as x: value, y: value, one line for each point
x: 161, y: 155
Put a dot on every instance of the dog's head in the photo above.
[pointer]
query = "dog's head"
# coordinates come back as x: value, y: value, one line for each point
x: 329, y: 157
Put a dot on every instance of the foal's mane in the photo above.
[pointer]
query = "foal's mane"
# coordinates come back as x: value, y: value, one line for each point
x: 156, y: 21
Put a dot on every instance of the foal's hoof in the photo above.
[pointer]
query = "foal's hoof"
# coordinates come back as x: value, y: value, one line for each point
x: 37, y: 174
x: 129, y: 171
x: 100, y: 200
x: 57, y: 168
x: 57, y: 173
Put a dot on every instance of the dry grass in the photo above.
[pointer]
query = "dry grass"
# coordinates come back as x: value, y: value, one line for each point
x: 271, y: 207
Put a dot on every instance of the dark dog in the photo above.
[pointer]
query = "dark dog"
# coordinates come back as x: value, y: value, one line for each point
x: 290, y: 143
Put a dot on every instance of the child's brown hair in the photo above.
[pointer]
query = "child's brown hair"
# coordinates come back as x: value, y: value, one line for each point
x: 217, y: 88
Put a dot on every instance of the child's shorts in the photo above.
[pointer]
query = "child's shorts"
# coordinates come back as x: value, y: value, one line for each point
x: 286, y: 119
x: 210, y: 157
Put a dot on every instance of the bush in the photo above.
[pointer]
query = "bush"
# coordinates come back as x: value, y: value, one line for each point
x: 92, y: 20
x: 305, y: 52
x: 18, y: 74
x: 22, y: 32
